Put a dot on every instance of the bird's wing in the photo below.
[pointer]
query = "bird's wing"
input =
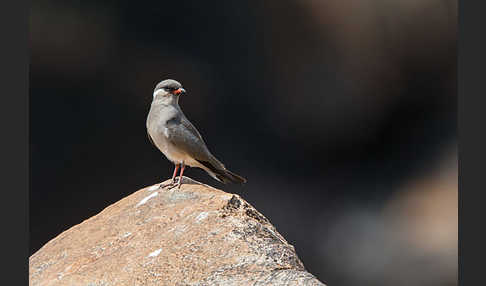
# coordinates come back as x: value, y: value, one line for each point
x: 187, y: 124
x: 185, y: 136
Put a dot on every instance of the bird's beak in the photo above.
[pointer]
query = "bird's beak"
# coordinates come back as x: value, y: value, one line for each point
x: 179, y: 91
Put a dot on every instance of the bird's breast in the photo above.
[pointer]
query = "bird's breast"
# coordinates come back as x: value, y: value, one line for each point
x: 160, y: 138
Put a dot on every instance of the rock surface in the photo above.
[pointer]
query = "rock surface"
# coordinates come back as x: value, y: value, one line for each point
x: 196, y: 235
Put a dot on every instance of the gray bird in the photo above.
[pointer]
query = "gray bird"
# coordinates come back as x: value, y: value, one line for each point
x: 174, y: 135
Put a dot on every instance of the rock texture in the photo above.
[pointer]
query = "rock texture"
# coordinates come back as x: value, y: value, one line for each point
x: 196, y: 235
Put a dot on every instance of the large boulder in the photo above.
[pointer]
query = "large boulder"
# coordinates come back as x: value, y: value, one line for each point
x: 195, y: 235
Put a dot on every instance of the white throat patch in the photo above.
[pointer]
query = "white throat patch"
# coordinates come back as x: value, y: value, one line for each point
x: 158, y: 92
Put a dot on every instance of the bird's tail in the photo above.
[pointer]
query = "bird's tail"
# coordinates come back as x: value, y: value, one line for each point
x: 226, y: 176
x: 220, y: 173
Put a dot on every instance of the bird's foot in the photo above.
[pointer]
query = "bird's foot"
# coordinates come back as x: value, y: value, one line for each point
x: 170, y: 185
x: 176, y: 184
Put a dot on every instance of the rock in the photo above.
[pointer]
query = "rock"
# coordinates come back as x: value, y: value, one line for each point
x: 196, y: 235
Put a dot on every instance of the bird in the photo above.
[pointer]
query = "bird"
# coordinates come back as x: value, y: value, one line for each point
x: 175, y: 136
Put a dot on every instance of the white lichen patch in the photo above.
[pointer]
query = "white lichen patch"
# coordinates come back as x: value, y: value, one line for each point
x: 231, y: 237
x: 201, y: 216
x: 178, y: 229
x: 60, y: 275
x: 226, y: 197
x: 155, y: 253
x: 43, y: 266
x: 215, y: 231
x: 127, y: 234
x: 153, y: 188
x: 147, y: 198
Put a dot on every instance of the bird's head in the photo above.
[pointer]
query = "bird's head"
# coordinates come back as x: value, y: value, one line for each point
x: 168, y: 90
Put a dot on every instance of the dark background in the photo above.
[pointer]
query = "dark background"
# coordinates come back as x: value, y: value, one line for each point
x: 341, y: 114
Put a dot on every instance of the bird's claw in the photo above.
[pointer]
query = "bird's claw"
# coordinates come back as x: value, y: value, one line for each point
x: 175, y: 185
x: 163, y: 186
x: 171, y: 185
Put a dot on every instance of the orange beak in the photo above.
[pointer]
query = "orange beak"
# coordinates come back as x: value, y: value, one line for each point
x: 179, y: 91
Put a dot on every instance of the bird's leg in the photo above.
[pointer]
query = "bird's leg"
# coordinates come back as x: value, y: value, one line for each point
x: 173, y: 181
x: 180, y: 176
x: 178, y: 185
x: 175, y: 173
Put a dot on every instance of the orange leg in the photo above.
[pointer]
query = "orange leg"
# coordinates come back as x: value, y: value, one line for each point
x: 180, y: 176
x: 176, y: 168
x: 173, y: 182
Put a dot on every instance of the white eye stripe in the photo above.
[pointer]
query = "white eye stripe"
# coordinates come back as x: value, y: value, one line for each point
x: 158, y: 92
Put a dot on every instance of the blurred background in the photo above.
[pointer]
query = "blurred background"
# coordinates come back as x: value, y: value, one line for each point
x: 341, y: 114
